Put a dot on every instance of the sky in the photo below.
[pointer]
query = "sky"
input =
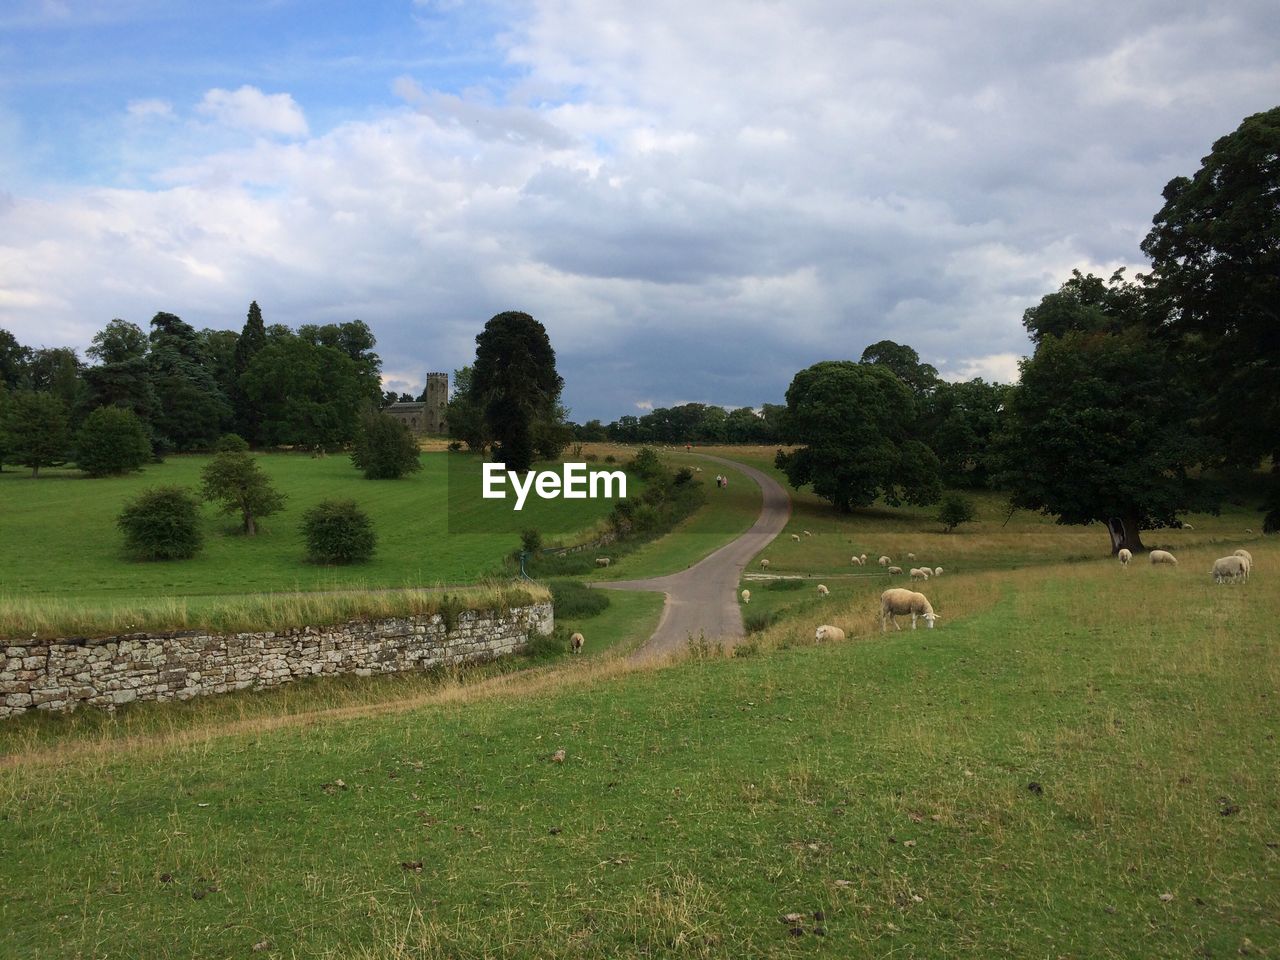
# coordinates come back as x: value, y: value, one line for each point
x: 696, y: 199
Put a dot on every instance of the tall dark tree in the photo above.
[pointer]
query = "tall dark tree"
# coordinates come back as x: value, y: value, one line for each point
x: 14, y: 359
x: 57, y: 371
x: 1101, y: 428
x: 515, y: 383
x: 1215, y: 254
x: 192, y: 407
x: 854, y: 424
x: 122, y: 375
x: 253, y: 337
x: 385, y: 448
x: 959, y: 422
x: 356, y: 341
x: 36, y: 430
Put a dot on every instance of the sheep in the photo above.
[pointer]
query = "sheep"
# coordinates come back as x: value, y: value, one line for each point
x: 885, y: 561
x: 1249, y: 530
x: 863, y: 559
x: 1247, y: 557
x: 1124, y: 556
x: 764, y: 564
x: 795, y: 537
x: 828, y: 632
x: 898, y: 601
x: 1187, y: 526
x: 822, y: 590
x: 894, y: 571
x: 575, y: 643
x: 919, y: 573
x: 911, y: 556
x: 1163, y: 556
x: 1229, y: 568
x: 937, y: 571
x: 602, y: 561
x: 746, y: 596
x: 854, y: 561
x: 807, y: 533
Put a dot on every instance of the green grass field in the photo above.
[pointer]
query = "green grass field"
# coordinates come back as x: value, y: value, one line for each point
x: 61, y: 540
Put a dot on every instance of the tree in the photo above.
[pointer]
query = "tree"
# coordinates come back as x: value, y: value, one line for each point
x: 338, y: 531
x: 36, y: 430
x: 234, y: 479
x: 1086, y: 304
x: 921, y: 378
x: 854, y: 423
x: 112, y: 441
x: 253, y: 337
x: 57, y: 370
x: 1100, y: 429
x: 514, y: 382
x: 1215, y: 255
x: 385, y: 448
x: 122, y: 376
x: 959, y: 422
x: 162, y: 524
x: 14, y: 359
x: 955, y: 510
x: 192, y: 407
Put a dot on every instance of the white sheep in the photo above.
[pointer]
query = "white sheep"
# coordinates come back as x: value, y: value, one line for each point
x: 1163, y: 556
x: 1124, y: 556
x: 894, y: 571
x: 854, y: 561
x: 822, y: 590
x: 863, y: 559
x: 911, y: 556
x: 807, y: 533
x: 602, y: 561
x: 1247, y: 557
x: 919, y: 573
x: 795, y: 537
x: 885, y: 561
x: 1249, y: 530
x: 764, y: 564
x: 1229, y: 568
x: 1187, y: 526
x: 575, y: 643
x: 828, y: 632
x: 898, y: 601
x: 937, y: 571
x: 746, y: 596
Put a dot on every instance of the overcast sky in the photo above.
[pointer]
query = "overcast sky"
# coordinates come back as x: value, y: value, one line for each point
x: 697, y: 199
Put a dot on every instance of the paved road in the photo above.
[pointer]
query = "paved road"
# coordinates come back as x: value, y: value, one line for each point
x: 702, y: 600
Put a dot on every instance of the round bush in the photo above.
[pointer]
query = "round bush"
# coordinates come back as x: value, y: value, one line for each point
x: 231, y: 443
x: 338, y: 531
x: 162, y: 524
x: 112, y: 440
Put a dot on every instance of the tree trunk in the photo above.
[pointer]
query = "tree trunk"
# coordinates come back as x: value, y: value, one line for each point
x: 1125, y: 533
x: 250, y: 528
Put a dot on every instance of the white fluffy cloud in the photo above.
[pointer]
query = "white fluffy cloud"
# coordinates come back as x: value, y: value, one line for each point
x: 697, y: 200
x: 248, y: 108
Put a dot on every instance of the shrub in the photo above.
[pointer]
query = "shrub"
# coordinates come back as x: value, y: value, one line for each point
x: 338, y: 531
x: 954, y: 511
x: 231, y: 443
x: 112, y: 440
x: 162, y: 524
x: 530, y: 541
x: 235, y: 480
x: 576, y: 600
x: 36, y: 430
x: 385, y: 448
x: 646, y: 464
x: 757, y: 620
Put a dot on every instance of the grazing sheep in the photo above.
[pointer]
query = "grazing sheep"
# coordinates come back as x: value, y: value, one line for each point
x: 807, y: 533
x: 1124, y: 556
x: 764, y: 564
x: 746, y: 596
x: 575, y: 643
x: 1163, y: 556
x: 602, y: 561
x: 828, y: 632
x: 919, y: 573
x: 898, y: 601
x: 885, y: 561
x: 822, y: 590
x: 795, y: 537
x: 1230, y: 568
x: 1187, y: 526
x: 911, y: 556
x: 1247, y: 557
x: 894, y: 571
x: 1249, y: 530
x: 854, y: 561
x: 863, y: 559
x: 937, y: 571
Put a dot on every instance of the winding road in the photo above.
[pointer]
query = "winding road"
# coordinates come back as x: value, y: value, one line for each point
x: 703, y: 600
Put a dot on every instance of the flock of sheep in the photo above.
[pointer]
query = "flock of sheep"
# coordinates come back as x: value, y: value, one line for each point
x: 1235, y: 568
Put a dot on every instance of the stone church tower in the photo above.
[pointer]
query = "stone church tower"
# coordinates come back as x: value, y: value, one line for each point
x: 425, y: 417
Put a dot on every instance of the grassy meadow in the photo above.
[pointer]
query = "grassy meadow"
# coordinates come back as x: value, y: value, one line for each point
x: 1080, y: 761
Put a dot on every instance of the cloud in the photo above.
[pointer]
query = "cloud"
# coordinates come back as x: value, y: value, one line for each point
x: 150, y: 109
x: 248, y: 108
x: 995, y: 367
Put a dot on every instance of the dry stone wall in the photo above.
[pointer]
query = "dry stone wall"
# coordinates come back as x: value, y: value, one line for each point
x: 108, y: 671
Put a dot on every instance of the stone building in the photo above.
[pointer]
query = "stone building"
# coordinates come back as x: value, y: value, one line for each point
x: 425, y: 417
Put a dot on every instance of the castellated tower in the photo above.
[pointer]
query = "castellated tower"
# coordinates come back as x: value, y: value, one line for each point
x: 437, y: 397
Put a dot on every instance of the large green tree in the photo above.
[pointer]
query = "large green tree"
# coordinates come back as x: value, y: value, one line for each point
x: 1100, y: 428
x: 959, y: 422
x: 14, y: 358
x: 36, y: 430
x: 1215, y: 254
x: 253, y: 337
x: 514, y: 381
x: 903, y: 360
x: 122, y: 376
x: 234, y: 479
x: 385, y: 448
x: 111, y: 441
x: 192, y: 406
x: 854, y: 426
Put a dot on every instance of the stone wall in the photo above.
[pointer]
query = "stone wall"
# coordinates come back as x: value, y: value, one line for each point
x: 106, y: 671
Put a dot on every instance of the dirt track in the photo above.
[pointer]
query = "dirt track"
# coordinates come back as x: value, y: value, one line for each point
x: 702, y: 600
